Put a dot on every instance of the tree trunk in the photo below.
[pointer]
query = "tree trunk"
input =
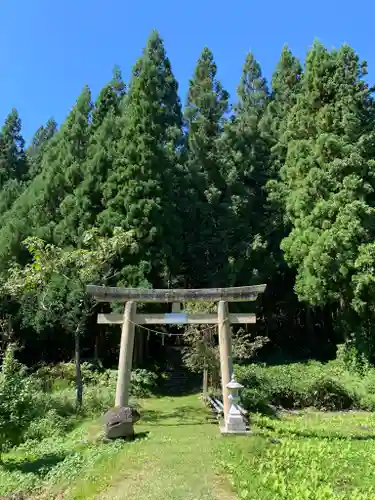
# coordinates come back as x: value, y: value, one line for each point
x: 342, y: 318
x: 77, y: 357
x: 138, y: 349
x: 310, y: 330
x: 205, y: 383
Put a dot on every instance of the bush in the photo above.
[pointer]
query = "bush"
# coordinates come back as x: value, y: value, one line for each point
x: 143, y: 383
x: 16, y: 400
x: 326, y: 386
x: 62, y: 376
x: 327, y: 393
x: 98, y: 393
x: 50, y: 424
x: 44, y: 404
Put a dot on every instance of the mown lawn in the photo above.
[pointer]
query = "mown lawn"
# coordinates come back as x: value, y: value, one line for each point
x: 179, y: 455
x: 173, y: 458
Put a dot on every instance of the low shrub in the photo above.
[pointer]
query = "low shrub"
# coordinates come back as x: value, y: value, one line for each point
x: 50, y: 424
x: 328, y: 393
x: 98, y: 391
x: 16, y: 400
x: 44, y: 404
x: 62, y: 376
x: 325, y: 386
x: 143, y: 383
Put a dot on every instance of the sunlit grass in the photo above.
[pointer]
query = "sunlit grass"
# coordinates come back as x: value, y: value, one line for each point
x: 313, y: 456
x: 180, y: 455
x: 172, y: 458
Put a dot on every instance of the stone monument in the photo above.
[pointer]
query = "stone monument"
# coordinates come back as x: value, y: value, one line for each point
x: 119, y: 422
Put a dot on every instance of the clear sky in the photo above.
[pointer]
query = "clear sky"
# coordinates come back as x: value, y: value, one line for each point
x: 51, y: 48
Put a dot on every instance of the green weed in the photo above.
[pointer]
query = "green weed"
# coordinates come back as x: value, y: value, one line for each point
x: 310, y: 456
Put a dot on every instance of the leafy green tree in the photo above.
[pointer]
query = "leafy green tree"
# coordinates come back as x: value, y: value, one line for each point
x: 139, y: 193
x: 55, y: 282
x: 205, y: 225
x: 201, y: 350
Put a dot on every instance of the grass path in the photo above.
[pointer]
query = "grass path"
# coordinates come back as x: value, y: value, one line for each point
x: 174, y: 460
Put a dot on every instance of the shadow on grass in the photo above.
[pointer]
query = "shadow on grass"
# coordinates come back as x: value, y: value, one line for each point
x: 141, y: 435
x: 41, y: 466
x: 266, y: 410
x: 185, y: 415
x: 162, y: 391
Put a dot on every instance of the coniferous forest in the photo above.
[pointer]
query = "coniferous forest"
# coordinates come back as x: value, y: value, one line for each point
x: 276, y: 188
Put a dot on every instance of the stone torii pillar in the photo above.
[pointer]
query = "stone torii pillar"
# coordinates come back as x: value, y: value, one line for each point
x: 225, y: 346
x: 126, y: 355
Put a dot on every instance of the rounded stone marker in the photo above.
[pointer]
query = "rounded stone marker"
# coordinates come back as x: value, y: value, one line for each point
x: 119, y: 422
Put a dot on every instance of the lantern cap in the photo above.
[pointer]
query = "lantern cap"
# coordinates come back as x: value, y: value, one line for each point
x: 233, y: 384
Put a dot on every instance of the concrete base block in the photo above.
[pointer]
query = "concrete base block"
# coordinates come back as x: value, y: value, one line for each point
x: 227, y: 432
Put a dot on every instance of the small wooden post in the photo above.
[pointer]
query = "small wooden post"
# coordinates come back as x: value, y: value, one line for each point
x: 126, y: 355
x: 225, y: 344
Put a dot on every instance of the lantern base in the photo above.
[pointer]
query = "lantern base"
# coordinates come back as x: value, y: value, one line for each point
x: 234, y: 427
x: 234, y: 432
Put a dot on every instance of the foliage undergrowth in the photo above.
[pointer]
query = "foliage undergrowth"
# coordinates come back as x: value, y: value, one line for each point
x: 324, y: 386
x: 43, y: 404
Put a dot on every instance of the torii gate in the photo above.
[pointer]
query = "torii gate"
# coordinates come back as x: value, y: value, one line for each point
x: 129, y: 319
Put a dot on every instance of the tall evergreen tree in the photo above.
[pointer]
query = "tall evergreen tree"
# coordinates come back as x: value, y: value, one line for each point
x: 244, y: 158
x: 13, y: 163
x: 286, y: 82
x: 205, y: 227
x: 81, y: 207
x: 139, y: 193
x: 36, y: 211
x: 328, y: 177
x: 62, y: 167
x: 38, y: 145
x: 292, y: 319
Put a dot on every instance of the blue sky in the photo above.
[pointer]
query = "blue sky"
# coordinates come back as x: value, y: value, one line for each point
x: 51, y: 48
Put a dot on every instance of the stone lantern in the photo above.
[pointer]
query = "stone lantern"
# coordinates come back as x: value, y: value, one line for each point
x: 235, y: 422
